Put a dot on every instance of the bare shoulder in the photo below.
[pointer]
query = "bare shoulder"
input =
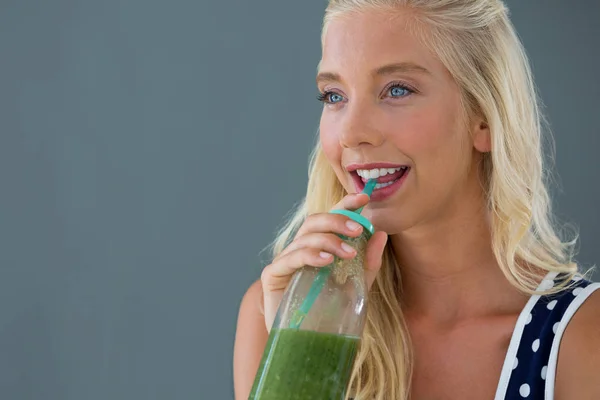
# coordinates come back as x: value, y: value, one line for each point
x: 251, y: 315
x: 253, y: 298
x: 579, y: 355
x: 250, y: 340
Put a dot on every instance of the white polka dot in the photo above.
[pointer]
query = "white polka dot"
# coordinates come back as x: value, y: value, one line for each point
x: 544, y: 370
x: 535, y: 345
x: 515, y: 363
x: 546, y: 284
x: 524, y: 390
x: 529, y: 317
x: 555, y: 327
x: 576, y: 291
x: 552, y: 304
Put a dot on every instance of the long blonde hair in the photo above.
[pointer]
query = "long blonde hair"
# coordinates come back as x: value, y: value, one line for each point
x: 477, y: 43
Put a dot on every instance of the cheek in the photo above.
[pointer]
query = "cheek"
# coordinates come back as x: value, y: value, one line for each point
x: 330, y: 144
x: 429, y: 137
x: 433, y: 142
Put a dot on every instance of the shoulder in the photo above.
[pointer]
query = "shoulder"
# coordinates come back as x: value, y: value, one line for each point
x: 251, y: 319
x: 579, y: 352
x: 252, y: 301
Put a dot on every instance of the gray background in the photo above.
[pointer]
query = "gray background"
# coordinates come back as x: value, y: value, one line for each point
x: 148, y: 152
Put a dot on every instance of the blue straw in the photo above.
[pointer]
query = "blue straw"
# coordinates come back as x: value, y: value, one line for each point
x: 368, y: 190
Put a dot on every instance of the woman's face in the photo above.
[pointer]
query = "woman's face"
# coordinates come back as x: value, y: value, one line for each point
x: 393, y: 111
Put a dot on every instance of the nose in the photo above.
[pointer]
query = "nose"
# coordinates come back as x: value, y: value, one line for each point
x: 359, y: 127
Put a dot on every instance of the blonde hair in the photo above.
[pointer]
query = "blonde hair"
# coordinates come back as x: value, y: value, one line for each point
x: 477, y: 43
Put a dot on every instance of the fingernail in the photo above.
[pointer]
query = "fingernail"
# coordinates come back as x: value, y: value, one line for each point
x: 347, y: 248
x: 324, y: 255
x: 353, y: 226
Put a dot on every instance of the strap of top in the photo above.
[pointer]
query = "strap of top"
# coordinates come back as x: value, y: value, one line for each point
x: 533, y: 364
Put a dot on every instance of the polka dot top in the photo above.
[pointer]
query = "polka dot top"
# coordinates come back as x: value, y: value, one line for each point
x: 530, y: 365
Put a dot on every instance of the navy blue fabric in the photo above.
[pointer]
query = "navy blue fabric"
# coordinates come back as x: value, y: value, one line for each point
x: 528, y: 377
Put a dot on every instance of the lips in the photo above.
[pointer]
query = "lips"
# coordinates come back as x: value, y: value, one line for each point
x: 389, y: 177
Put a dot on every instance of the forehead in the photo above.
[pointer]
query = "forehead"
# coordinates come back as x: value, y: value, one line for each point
x: 366, y: 40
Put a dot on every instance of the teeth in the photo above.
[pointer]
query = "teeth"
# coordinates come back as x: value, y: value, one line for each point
x: 377, y: 172
x: 382, y: 185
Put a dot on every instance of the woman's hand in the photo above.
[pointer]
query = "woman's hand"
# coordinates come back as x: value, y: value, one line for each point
x: 315, y: 244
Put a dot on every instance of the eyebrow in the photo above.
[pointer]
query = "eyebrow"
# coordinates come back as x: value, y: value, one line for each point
x: 388, y: 69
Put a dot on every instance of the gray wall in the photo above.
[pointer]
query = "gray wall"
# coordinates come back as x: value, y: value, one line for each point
x: 149, y: 150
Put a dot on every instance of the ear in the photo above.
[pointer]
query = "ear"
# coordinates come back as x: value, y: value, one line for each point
x: 482, y: 140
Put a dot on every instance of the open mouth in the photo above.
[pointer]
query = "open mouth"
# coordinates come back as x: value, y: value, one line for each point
x: 385, y: 176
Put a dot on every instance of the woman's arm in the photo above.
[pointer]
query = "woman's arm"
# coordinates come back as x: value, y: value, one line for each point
x: 578, y: 369
x: 250, y: 340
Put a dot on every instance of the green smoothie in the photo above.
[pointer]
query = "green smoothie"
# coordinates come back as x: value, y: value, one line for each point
x: 304, y: 365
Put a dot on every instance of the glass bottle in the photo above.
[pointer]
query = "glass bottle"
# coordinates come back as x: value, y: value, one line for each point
x: 316, y: 332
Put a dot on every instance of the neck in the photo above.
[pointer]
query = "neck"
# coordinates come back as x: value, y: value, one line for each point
x: 449, y: 271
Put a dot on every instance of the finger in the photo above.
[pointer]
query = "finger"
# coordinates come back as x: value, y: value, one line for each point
x: 352, y: 201
x: 328, y: 242
x: 277, y: 275
x: 374, y: 256
x: 326, y: 222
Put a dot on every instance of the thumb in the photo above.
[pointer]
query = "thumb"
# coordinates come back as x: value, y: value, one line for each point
x: 374, y: 255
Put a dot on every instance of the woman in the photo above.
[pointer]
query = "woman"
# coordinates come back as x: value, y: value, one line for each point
x: 471, y: 290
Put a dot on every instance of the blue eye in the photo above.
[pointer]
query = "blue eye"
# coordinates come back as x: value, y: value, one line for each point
x: 400, y: 90
x: 329, y: 97
x: 334, y: 98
